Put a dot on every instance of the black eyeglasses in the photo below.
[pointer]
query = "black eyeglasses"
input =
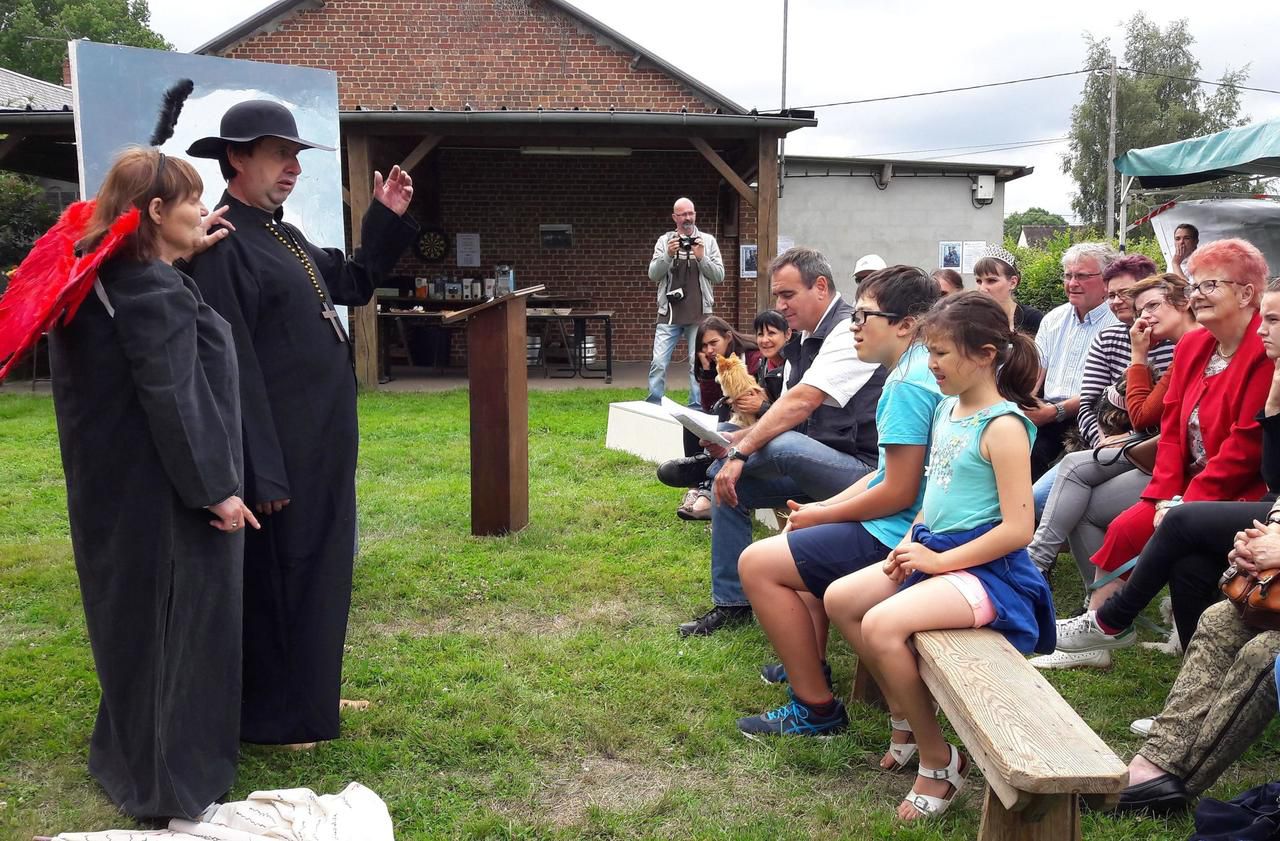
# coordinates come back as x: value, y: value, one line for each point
x: 1205, y: 287
x: 860, y: 316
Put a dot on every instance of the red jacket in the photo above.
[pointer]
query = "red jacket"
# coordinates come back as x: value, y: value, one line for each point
x: 1229, y: 405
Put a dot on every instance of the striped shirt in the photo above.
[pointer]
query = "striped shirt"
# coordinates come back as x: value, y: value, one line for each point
x: 1064, y: 341
x: 1105, y: 365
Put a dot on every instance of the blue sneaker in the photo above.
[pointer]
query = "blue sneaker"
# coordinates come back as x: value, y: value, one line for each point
x: 794, y: 719
x: 777, y: 673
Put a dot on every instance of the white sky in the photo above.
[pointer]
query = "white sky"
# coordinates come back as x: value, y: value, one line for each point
x: 842, y: 50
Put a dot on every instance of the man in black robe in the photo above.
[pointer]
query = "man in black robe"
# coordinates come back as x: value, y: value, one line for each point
x: 298, y: 399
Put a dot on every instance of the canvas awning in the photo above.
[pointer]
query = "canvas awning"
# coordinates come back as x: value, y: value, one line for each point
x: 1248, y: 150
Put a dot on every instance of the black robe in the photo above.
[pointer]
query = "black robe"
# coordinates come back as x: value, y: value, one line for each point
x: 298, y: 398
x: 148, y: 415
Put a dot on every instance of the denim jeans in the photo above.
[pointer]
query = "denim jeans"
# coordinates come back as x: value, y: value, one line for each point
x: 791, y: 466
x: 665, y: 337
x: 1040, y: 490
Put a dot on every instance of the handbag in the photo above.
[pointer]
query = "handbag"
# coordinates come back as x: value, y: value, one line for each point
x: 1139, y: 449
x: 1256, y: 599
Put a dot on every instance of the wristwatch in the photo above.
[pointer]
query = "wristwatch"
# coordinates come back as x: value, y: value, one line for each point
x: 1061, y: 411
x: 735, y: 455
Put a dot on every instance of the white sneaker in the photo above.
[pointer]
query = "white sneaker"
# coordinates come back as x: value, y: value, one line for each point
x: 1098, y: 658
x: 1141, y: 727
x: 1081, y: 633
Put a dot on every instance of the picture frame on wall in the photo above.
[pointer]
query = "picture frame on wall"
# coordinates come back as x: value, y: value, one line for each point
x: 747, y: 261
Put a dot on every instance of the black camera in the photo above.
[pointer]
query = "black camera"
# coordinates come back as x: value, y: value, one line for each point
x: 687, y: 243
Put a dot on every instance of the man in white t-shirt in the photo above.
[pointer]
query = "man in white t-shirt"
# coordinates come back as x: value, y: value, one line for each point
x: 816, y: 440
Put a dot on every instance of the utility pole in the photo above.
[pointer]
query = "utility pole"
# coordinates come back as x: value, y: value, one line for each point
x: 1111, y: 158
x: 782, y: 144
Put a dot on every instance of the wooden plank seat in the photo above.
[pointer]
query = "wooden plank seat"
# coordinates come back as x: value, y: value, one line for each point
x: 1034, y: 750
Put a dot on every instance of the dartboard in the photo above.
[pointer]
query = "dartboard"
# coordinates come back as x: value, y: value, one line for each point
x: 432, y: 244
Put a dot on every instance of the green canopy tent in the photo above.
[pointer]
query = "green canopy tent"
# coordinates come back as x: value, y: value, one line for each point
x: 1247, y: 150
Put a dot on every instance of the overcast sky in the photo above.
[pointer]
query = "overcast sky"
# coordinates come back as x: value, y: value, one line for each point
x: 841, y: 50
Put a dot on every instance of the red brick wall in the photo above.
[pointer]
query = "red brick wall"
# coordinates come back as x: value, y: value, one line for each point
x: 617, y: 206
x: 489, y: 53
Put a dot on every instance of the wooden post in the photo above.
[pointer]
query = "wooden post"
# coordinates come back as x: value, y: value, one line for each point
x: 766, y: 215
x: 364, y: 320
x: 1051, y: 818
x: 865, y: 688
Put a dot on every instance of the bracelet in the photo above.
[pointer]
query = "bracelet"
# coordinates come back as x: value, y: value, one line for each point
x: 1061, y: 411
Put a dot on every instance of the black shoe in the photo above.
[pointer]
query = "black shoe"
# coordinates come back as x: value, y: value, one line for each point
x: 688, y: 472
x: 716, y: 618
x: 1165, y: 795
x: 777, y: 673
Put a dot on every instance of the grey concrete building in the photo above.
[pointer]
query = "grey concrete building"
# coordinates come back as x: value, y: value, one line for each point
x: 901, y: 210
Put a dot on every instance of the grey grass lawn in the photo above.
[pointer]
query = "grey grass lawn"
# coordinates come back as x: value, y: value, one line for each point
x: 525, y: 687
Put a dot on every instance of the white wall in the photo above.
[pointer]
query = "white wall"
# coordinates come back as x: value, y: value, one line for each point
x: 846, y: 217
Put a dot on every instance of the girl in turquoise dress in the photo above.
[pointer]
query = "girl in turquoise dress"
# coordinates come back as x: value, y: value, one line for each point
x: 964, y: 563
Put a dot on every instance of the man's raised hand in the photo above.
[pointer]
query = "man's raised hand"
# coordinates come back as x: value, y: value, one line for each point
x: 396, y: 191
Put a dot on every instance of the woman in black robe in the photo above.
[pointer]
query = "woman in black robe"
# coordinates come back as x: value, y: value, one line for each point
x: 146, y: 394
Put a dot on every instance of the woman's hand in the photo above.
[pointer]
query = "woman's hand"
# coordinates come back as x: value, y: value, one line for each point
x: 1264, y: 552
x: 1159, y: 516
x: 232, y: 515
x: 221, y: 229
x: 749, y: 403
x: 1139, y: 342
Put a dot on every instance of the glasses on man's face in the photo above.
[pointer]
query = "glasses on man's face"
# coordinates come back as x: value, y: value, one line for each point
x: 1205, y: 287
x: 860, y: 316
x: 1070, y: 276
x: 1150, y: 307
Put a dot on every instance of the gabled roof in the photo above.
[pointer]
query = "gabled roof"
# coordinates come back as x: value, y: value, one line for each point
x: 270, y: 17
x: 23, y: 93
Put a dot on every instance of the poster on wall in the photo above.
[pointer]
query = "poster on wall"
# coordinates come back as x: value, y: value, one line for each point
x: 117, y: 93
x: 747, y: 256
x: 949, y: 254
x: 972, y: 252
x: 468, y: 249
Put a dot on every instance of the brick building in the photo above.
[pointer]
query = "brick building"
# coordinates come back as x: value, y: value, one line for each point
x: 520, y: 113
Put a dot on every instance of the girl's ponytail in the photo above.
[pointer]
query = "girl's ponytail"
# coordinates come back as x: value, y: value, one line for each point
x: 1018, y: 369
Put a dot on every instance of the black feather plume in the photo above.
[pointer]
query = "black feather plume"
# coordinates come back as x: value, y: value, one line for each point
x: 170, y: 109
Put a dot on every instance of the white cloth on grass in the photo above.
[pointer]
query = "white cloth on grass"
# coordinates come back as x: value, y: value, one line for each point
x: 296, y: 814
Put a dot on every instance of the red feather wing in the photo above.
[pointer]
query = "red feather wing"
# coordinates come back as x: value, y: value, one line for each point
x: 52, y: 281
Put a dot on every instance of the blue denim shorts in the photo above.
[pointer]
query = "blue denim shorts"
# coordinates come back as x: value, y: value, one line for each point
x: 832, y: 550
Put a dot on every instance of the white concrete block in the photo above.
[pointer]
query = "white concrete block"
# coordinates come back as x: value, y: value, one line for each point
x: 644, y: 430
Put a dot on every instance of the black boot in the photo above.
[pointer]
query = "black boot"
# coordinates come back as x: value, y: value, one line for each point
x: 716, y: 618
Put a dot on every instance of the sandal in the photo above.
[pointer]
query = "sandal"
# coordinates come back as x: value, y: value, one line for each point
x: 902, y: 752
x: 954, y: 774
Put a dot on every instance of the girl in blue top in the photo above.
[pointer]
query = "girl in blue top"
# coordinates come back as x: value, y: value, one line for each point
x: 964, y: 563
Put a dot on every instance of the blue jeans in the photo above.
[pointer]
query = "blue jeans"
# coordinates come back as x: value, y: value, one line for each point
x: 791, y: 466
x: 665, y: 337
x: 1040, y: 490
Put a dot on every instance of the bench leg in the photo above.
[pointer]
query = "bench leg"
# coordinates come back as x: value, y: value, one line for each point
x: 866, y: 690
x: 1047, y: 818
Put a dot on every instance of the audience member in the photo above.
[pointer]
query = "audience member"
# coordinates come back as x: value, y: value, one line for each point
x: 866, y: 265
x: 1188, y: 550
x: 964, y: 564
x: 785, y: 576
x: 1210, y: 440
x: 996, y: 273
x: 715, y: 337
x: 1109, y: 355
x: 685, y: 264
x: 817, y: 437
x: 1092, y: 489
x: 1064, y: 338
x: 772, y: 335
x: 1186, y: 239
x: 949, y: 281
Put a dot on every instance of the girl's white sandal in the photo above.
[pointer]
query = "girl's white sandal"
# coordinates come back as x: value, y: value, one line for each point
x: 954, y: 774
x: 902, y: 752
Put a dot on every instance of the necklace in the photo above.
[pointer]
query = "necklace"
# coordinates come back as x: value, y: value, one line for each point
x: 326, y: 311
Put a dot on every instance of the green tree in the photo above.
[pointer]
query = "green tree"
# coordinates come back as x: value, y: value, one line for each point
x: 33, y: 33
x: 1014, y: 222
x: 24, y: 216
x: 1155, y: 103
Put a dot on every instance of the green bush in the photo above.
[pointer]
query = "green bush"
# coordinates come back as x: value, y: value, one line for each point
x: 1041, y: 267
x: 24, y: 216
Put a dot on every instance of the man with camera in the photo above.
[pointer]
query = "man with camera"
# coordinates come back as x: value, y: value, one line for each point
x: 686, y: 262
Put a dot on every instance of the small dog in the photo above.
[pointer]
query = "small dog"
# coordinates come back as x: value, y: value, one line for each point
x: 735, y: 380
x: 1112, y: 419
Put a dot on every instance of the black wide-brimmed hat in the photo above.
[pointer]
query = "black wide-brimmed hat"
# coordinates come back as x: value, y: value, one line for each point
x: 248, y: 121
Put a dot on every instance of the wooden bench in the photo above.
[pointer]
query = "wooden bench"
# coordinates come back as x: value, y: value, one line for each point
x: 1034, y: 750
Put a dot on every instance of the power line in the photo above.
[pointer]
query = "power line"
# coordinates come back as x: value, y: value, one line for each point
x: 946, y: 90
x: 1200, y: 81
x: 1003, y: 143
x: 1004, y: 149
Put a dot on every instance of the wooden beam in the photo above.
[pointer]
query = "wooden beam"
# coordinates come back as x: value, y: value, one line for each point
x: 766, y: 216
x: 420, y: 151
x: 725, y: 170
x: 364, y: 320
x: 346, y: 196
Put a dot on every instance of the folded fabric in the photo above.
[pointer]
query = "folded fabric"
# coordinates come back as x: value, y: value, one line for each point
x: 295, y: 814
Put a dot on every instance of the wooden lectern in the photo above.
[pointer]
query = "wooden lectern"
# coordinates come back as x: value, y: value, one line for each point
x: 499, y: 383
